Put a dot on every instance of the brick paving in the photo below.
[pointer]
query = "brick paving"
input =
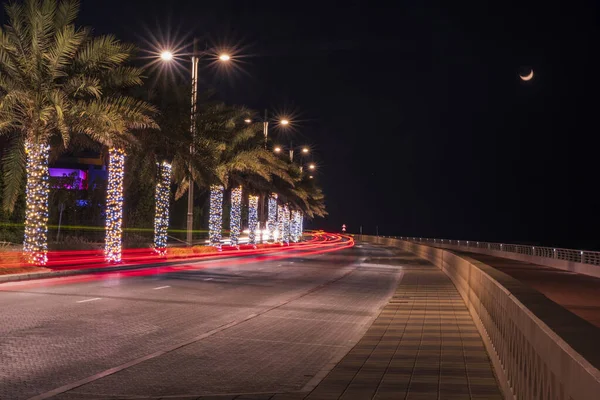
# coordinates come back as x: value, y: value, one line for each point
x: 423, y: 345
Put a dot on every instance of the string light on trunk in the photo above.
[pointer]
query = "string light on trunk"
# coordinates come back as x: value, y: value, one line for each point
x: 161, y: 217
x: 280, y: 223
x: 252, y: 218
x: 235, y: 219
x: 272, y: 217
x: 35, y: 242
x: 215, y: 219
x: 114, y: 205
x: 286, y: 224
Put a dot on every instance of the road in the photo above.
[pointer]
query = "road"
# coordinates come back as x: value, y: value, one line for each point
x: 252, y: 325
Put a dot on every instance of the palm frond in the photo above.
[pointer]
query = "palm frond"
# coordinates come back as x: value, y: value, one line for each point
x: 13, y: 168
x: 66, y: 12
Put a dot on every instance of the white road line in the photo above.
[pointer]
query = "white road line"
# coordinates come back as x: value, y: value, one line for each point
x: 161, y: 287
x: 208, y: 279
x: 85, y: 301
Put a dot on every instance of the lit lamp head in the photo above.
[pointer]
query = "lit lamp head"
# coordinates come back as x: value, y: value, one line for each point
x: 166, y: 55
x: 247, y: 120
x: 277, y: 149
x: 224, y: 57
x: 284, y: 122
x: 310, y: 177
x: 311, y: 166
x: 305, y: 150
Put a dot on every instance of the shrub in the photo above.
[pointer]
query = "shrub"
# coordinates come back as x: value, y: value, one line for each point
x: 204, y: 249
x: 267, y: 245
x: 178, y: 251
x: 11, y: 258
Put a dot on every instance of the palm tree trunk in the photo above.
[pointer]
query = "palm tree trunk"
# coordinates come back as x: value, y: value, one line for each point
x: 215, y: 220
x: 280, y: 223
x: 114, y: 205
x: 35, y: 243
x: 161, y: 218
x: 286, y: 224
x: 262, y: 224
x: 295, y: 226
x: 252, y: 218
x: 235, y: 218
x: 272, y: 218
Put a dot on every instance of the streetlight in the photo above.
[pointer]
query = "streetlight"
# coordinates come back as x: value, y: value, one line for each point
x: 277, y: 149
x: 265, y: 122
x: 311, y: 166
x: 167, y: 56
x: 305, y: 150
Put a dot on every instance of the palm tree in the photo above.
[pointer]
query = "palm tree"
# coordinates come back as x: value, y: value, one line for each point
x: 58, y: 83
x: 227, y: 153
x: 245, y: 163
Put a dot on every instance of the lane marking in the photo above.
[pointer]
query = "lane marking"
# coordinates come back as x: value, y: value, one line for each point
x: 208, y: 279
x: 85, y: 301
x: 161, y: 287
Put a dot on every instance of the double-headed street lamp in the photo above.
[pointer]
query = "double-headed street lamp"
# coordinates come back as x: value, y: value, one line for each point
x: 304, y: 150
x: 168, y: 56
x: 282, y: 122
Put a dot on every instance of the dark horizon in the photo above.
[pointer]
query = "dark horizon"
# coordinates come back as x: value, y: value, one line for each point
x: 418, y: 119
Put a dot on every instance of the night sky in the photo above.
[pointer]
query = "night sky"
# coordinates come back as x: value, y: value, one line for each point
x: 418, y: 120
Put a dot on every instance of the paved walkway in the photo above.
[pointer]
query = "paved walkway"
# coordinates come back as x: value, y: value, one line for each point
x: 578, y: 293
x: 423, y: 345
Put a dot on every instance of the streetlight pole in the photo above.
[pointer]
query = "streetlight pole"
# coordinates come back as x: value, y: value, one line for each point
x: 266, y: 128
x: 168, y: 56
x: 190, y: 212
x: 265, y: 196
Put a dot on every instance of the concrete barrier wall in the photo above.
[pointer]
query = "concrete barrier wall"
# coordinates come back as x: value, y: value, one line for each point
x: 530, y: 360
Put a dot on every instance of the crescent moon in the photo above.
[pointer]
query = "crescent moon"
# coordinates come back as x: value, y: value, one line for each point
x: 527, y: 77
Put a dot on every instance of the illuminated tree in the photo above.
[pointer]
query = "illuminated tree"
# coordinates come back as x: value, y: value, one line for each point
x: 252, y: 218
x: 58, y: 83
x: 215, y: 219
x: 162, y: 196
x: 235, y: 219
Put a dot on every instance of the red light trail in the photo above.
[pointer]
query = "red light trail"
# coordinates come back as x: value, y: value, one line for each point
x: 320, y: 243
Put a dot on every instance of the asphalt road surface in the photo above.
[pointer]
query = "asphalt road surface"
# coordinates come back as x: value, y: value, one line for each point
x: 223, y: 327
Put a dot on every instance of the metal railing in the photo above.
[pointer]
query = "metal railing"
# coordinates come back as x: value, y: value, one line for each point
x: 580, y: 256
